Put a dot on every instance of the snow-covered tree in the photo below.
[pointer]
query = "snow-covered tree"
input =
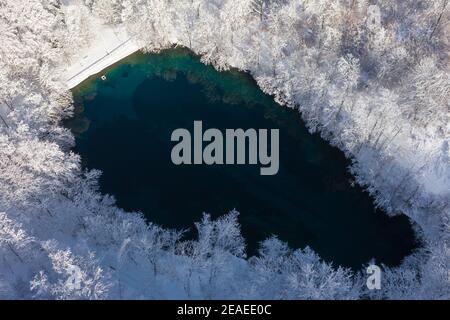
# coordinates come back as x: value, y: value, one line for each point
x: 371, y: 76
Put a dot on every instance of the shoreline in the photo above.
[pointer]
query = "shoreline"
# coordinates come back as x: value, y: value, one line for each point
x: 134, y: 69
x: 109, y: 44
x: 88, y: 69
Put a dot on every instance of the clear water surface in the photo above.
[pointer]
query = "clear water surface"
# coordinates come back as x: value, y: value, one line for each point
x: 123, y: 127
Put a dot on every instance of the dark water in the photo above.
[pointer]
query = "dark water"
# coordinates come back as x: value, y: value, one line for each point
x: 123, y: 127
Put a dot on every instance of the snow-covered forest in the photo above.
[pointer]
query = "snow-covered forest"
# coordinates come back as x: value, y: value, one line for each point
x: 371, y: 76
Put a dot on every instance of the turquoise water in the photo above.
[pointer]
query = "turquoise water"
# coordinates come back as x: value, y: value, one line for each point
x: 123, y: 127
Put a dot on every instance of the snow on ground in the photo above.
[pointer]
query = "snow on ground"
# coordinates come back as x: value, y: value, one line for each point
x: 108, y: 45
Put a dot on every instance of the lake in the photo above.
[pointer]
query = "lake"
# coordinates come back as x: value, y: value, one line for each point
x: 123, y: 127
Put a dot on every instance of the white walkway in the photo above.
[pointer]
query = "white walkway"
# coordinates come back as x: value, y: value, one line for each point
x: 109, y: 45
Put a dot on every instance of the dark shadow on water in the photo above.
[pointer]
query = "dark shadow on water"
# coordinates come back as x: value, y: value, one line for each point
x: 125, y: 127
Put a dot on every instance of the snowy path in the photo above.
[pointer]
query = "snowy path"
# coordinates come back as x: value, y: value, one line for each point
x: 108, y: 45
x: 91, y: 69
x: 98, y: 57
